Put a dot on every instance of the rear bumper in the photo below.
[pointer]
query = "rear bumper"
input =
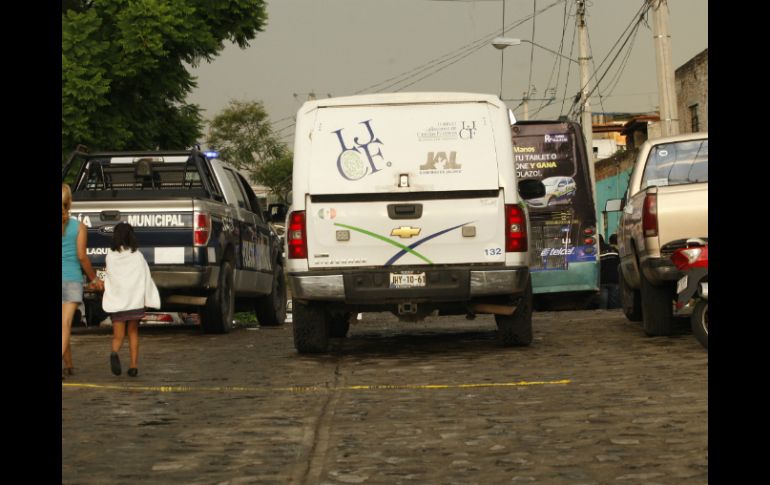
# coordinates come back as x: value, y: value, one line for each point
x: 659, y: 270
x: 190, y: 278
x: 372, y: 286
x: 579, y: 277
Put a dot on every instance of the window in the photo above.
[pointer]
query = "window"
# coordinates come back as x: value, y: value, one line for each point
x: 684, y: 162
x: 694, y: 123
x: 238, y: 190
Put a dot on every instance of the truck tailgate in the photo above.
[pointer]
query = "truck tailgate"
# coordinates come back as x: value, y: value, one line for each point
x: 421, y: 231
x: 681, y: 213
x: 163, y: 228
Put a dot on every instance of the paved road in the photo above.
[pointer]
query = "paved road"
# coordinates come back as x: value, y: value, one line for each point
x: 592, y: 401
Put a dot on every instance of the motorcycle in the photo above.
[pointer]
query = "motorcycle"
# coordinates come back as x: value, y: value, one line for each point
x: 693, y: 288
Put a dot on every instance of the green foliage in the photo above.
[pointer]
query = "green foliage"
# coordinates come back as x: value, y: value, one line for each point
x: 276, y: 175
x: 124, y: 67
x: 244, y: 138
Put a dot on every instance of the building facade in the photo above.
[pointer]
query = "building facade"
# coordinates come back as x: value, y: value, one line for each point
x: 692, y: 93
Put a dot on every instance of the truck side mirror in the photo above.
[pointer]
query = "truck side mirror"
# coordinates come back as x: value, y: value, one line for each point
x: 276, y: 213
x: 531, y: 189
x: 614, y: 205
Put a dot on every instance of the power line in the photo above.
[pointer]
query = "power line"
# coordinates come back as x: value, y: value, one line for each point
x: 633, y: 25
x: 569, y: 66
x: 557, y: 62
x: 453, y: 57
x: 532, y: 50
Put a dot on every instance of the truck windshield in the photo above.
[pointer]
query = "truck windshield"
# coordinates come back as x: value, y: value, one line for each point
x: 683, y: 162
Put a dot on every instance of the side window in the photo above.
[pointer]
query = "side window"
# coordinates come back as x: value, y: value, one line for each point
x: 240, y: 197
x: 252, y: 198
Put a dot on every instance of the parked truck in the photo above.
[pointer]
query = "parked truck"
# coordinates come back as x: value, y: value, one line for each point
x: 199, y: 225
x: 407, y: 203
x: 665, y: 205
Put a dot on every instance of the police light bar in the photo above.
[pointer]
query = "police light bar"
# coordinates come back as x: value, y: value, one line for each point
x: 211, y: 154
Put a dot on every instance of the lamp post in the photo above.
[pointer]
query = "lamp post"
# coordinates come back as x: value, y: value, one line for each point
x: 501, y: 43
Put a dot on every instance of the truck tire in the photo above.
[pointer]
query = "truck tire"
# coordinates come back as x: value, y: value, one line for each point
x: 311, y: 328
x: 217, y: 315
x: 657, y: 308
x: 339, y: 324
x: 699, y: 320
x: 94, y: 313
x: 516, y: 329
x: 630, y: 299
x: 77, y: 319
x: 271, y: 309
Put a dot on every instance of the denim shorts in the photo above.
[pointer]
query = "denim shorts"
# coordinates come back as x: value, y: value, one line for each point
x: 71, y: 292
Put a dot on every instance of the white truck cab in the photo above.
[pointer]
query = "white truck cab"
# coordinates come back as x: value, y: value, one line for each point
x: 407, y: 203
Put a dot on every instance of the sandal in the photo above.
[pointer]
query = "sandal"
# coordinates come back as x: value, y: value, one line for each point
x: 133, y: 371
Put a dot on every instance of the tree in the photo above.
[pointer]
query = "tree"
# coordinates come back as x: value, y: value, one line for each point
x: 276, y: 175
x: 124, y: 74
x: 245, y: 139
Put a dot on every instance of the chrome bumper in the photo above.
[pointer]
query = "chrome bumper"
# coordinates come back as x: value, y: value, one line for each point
x: 331, y: 287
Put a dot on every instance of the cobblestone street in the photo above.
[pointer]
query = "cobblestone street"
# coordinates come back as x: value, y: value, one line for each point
x: 591, y: 401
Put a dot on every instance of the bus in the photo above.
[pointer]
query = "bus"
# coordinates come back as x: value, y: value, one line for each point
x: 564, y: 251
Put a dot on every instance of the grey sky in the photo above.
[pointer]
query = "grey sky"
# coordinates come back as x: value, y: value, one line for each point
x: 340, y: 47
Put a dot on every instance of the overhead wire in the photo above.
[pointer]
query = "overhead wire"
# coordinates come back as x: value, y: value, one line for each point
x: 557, y: 62
x: 633, y: 25
x: 461, y: 53
x: 569, y: 67
x: 444, y: 61
x: 532, y: 49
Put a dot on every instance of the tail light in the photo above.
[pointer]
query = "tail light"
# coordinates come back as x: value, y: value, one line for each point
x: 515, y: 229
x: 201, y: 228
x: 650, y: 215
x: 296, y: 235
x: 691, y: 257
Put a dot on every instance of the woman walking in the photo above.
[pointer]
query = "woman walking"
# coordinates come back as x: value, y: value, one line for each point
x: 74, y: 235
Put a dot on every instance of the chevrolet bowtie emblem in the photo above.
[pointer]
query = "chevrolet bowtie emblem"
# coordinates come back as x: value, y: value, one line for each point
x: 405, y: 231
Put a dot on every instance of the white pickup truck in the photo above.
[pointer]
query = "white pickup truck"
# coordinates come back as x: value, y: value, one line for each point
x: 666, y: 203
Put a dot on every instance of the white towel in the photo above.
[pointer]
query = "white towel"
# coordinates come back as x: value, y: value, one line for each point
x: 128, y: 284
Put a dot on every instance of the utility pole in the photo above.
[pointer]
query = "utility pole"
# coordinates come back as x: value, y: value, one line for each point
x: 585, y: 77
x: 669, y: 116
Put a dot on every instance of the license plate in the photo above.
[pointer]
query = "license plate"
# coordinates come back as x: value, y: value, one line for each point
x: 407, y: 280
x: 681, y: 285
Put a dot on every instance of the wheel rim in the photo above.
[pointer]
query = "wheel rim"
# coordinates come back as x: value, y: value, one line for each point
x: 704, y: 319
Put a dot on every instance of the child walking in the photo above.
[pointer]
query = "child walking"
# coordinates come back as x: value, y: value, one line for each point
x: 128, y: 289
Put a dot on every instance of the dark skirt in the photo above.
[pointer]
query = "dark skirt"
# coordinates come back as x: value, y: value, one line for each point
x: 127, y: 315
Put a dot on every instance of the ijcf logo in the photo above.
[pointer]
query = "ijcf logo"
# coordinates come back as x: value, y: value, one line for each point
x: 440, y: 161
x: 468, y: 130
x: 350, y: 163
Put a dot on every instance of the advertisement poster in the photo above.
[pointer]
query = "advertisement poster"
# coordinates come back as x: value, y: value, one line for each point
x: 557, y: 218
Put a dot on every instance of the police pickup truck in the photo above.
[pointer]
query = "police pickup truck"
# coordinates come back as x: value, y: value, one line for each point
x: 199, y: 226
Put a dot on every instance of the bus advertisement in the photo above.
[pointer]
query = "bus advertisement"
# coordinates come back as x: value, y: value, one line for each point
x: 564, y: 253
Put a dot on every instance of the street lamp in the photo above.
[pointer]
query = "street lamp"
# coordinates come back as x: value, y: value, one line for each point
x: 503, y: 42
